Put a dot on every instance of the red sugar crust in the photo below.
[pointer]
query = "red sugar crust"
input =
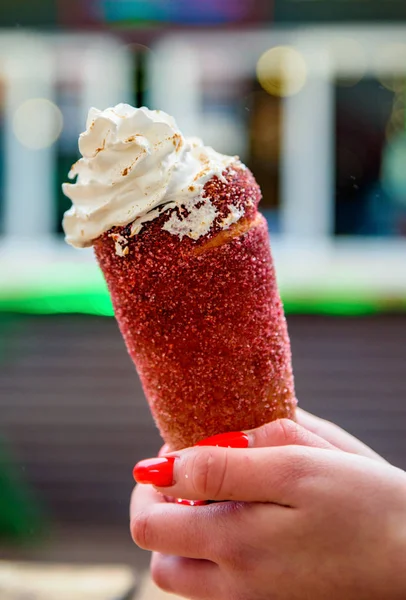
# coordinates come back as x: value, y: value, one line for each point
x: 203, y: 320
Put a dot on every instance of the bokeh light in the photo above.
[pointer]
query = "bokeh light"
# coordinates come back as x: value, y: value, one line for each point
x: 391, y: 66
x: 37, y: 123
x: 282, y: 71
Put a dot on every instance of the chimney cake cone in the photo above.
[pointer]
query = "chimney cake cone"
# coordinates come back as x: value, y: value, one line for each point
x: 190, y: 275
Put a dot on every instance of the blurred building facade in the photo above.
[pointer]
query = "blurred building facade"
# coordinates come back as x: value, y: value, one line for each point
x: 318, y: 114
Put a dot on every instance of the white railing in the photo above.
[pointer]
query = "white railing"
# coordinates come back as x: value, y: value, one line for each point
x: 308, y: 257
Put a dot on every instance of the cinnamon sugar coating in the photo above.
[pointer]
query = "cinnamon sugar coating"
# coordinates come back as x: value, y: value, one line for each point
x: 203, y: 320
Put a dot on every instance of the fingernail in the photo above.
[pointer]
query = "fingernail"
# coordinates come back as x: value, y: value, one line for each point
x: 157, y: 471
x: 234, y: 439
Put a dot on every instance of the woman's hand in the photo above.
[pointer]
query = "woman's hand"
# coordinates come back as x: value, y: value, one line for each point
x: 305, y: 521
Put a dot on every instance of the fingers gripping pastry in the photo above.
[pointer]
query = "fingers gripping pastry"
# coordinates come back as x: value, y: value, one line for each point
x: 186, y: 256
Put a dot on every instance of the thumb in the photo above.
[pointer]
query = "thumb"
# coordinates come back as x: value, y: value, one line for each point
x: 278, y: 475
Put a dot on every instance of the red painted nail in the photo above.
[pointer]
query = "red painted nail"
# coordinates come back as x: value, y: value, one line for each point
x: 157, y: 471
x: 234, y: 439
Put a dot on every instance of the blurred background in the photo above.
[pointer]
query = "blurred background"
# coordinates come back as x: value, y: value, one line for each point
x: 311, y: 94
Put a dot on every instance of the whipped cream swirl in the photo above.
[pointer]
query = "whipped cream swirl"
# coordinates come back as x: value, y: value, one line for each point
x: 136, y: 164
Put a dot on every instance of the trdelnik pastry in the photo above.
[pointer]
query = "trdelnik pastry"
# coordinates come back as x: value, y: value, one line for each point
x: 186, y: 256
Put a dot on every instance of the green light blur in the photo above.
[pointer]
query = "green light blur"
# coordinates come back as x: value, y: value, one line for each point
x: 99, y: 303
x: 70, y: 288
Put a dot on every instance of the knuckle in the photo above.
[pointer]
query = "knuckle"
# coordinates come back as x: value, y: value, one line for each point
x: 285, y: 432
x: 288, y: 431
x: 208, y: 473
x: 141, y: 530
